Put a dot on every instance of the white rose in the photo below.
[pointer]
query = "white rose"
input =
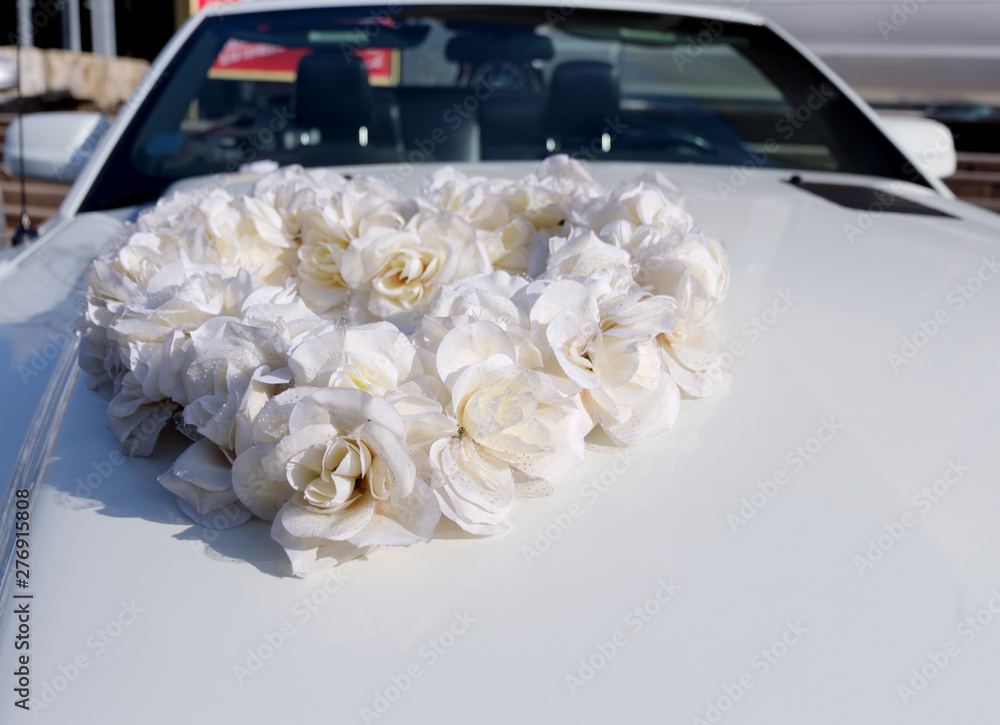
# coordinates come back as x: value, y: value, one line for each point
x: 173, y: 302
x: 696, y: 363
x: 347, y: 481
x: 108, y: 292
x: 513, y: 425
x: 223, y: 356
x: 279, y: 309
x: 328, y: 227
x: 513, y: 219
x: 695, y: 272
x: 136, y: 421
x: 259, y: 242
x: 201, y: 478
x: 582, y: 253
x: 146, y: 254
x: 606, y: 271
x: 180, y: 298
x: 395, y: 274
x: 616, y: 366
x: 376, y: 358
x: 496, y: 297
x: 487, y: 297
x: 567, y: 177
x: 292, y: 189
x: 473, y: 199
x: 651, y: 200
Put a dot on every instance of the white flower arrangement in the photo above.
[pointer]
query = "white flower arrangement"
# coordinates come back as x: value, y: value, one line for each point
x: 353, y: 365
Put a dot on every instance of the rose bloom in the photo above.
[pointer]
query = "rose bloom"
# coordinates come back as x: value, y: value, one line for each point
x: 648, y: 200
x: 376, y: 358
x: 337, y: 481
x: 328, y: 224
x: 695, y: 272
x: 394, y: 274
x: 601, y: 336
x: 514, y: 426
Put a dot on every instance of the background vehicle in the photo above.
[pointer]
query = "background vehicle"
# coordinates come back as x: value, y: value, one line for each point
x: 927, y: 53
x: 668, y: 589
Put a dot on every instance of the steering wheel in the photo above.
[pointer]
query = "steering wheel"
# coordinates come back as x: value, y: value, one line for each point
x: 501, y: 75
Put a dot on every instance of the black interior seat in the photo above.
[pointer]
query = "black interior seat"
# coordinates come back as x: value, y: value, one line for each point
x: 332, y: 95
x: 439, y: 124
x: 512, y: 125
x: 584, y: 100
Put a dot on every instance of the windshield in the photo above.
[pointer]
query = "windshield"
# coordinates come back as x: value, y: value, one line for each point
x: 404, y: 85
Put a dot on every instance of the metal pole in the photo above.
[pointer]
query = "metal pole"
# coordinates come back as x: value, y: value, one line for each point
x: 71, y: 25
x: 25, y: 219
x: 102, y: 21
x: 25, y: 31
x: 24, y: 232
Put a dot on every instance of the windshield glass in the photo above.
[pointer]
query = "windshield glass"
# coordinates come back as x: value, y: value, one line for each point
x: 410, y: 84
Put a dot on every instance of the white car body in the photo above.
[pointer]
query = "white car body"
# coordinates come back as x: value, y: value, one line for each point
x: 735, y: 569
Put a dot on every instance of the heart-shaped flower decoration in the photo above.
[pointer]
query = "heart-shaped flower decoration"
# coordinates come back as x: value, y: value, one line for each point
x: 353, y: 364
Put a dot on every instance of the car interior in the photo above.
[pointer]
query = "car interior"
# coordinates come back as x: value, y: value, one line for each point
x: 445, y: 85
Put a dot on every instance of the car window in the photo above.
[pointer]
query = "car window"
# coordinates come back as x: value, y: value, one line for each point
x: 408, y: 84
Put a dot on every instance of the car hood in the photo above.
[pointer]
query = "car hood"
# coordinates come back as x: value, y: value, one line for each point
x: 806, y: 546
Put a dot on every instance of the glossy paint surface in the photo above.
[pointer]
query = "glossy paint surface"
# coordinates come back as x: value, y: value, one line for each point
x: 791, y: 552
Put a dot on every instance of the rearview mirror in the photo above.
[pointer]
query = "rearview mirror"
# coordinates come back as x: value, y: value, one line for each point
x: 929, y: 143
x: 56, y: 145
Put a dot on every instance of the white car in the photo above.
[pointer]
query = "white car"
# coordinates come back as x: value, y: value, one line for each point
x: 817, y: 543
